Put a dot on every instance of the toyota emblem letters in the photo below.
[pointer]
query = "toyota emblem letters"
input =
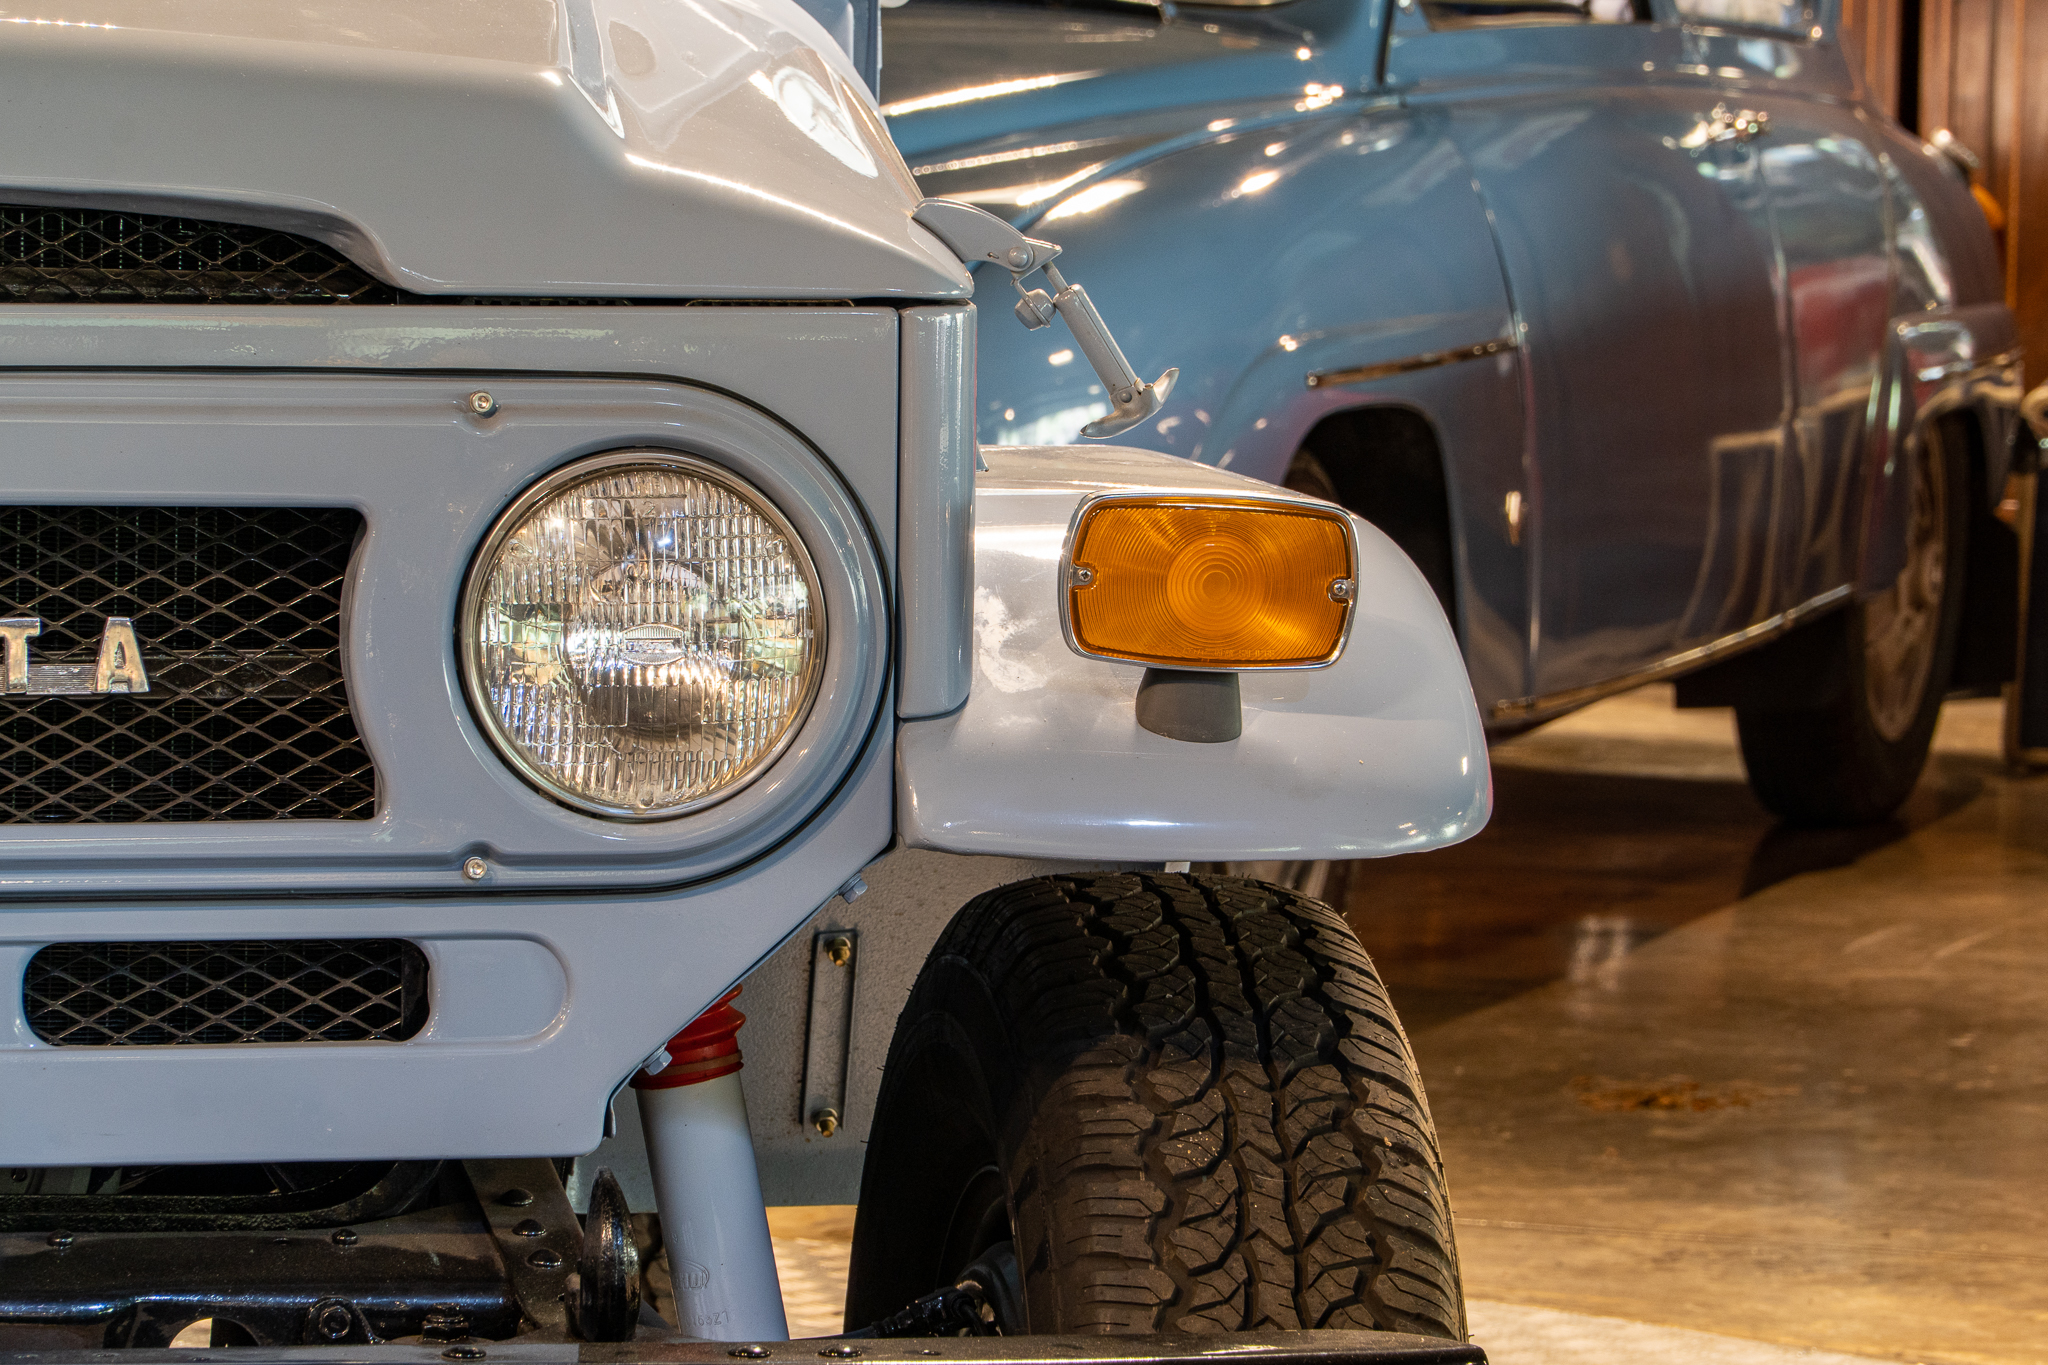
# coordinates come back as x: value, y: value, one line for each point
x: 118, y: 669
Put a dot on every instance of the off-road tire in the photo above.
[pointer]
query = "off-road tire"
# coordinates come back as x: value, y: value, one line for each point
x: 1835, y: 764
x: 1184, y: 1099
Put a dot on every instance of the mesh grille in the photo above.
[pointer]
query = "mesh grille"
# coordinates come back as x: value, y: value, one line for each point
x: 238, y: 611
x: 86, y: 255
x: 50, y: 255
x: 263, y: 991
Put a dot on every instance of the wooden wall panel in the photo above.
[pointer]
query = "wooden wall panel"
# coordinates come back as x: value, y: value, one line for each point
x: 1871, y: 31
x: 2026, y: 233
x: 1984, y: 77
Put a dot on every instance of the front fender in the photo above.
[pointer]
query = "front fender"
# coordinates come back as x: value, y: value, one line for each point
x: 1941, y: 362
x: 1371, y: 247
x: 1380, y: 753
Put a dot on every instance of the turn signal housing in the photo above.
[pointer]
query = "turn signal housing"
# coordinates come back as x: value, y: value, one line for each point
x: 1227, y: 584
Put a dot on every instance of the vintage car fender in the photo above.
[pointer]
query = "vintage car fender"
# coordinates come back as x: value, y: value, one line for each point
x: 1356, y: 180
x: 1945, y: 362
x: 1951, y: 349
x: 1380, y: 753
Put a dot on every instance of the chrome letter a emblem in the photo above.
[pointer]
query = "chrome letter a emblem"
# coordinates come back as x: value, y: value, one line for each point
x: 120, y: 665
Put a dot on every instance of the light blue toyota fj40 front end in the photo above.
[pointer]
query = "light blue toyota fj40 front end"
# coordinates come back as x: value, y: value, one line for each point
x: 495, y: 557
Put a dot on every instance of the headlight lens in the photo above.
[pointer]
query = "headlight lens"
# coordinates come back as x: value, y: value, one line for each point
x: 642, y: 633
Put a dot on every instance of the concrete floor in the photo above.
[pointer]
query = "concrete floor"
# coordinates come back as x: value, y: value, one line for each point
x: 1711, y: 1091
x: 1690, y: 1069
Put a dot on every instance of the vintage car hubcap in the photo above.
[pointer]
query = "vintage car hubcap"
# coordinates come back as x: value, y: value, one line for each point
x: 1901, y: 624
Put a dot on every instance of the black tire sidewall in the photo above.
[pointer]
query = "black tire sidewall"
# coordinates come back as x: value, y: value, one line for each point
x: 1832, y: 765
x: 950, y: 1076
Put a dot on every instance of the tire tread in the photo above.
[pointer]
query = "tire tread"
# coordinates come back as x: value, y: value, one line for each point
x: 1223, y: 1129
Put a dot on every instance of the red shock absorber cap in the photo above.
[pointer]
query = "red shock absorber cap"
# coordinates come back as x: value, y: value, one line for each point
x: 707, y: 1049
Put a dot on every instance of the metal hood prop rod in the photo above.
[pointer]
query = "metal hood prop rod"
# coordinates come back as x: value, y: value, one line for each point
x: 975, y: 235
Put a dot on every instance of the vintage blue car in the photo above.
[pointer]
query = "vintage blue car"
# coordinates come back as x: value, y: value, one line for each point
x: 1658, y: 349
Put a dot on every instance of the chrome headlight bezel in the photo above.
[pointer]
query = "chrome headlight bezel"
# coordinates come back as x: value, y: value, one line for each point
x: 477, y: 578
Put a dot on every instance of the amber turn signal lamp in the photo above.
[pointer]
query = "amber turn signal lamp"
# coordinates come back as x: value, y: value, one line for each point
x: 1182, y: 582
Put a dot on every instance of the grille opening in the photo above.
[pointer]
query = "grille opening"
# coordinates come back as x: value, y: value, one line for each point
x: 238, y: 612
x: 71, y: 255
x: 241, y: 991
x: 97, y: 255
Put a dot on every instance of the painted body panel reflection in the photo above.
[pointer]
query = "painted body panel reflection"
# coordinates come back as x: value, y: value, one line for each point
x: 1690, y: 262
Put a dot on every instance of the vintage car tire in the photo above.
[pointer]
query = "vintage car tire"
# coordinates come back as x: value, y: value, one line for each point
x: 1854, y: 759
x: 1136, y: 1102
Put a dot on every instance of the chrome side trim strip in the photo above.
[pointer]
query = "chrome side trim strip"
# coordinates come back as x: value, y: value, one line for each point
x: 1529, y: 709
x: 1428, y: 360
x: 1970, y: 369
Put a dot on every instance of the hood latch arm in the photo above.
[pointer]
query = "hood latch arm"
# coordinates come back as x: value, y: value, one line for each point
x: 975, y: 236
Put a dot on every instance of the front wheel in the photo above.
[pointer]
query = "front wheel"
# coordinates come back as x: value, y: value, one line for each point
x: 1132, y: 1102
x: 1854, y: 759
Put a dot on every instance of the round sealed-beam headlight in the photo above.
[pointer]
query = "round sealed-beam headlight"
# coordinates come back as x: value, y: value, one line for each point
x: 641, y: 634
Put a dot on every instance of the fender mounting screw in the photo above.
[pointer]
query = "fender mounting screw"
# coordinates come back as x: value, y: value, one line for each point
x: 475, y: 869
x: 482, y: 404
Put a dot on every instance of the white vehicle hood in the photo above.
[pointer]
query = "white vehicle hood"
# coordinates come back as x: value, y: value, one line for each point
x: 629, y: 148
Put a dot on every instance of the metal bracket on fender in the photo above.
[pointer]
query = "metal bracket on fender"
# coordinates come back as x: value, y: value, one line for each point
x: 975, y: 235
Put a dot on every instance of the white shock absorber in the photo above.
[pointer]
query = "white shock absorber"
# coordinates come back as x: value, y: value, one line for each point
x: 713, y: 1223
